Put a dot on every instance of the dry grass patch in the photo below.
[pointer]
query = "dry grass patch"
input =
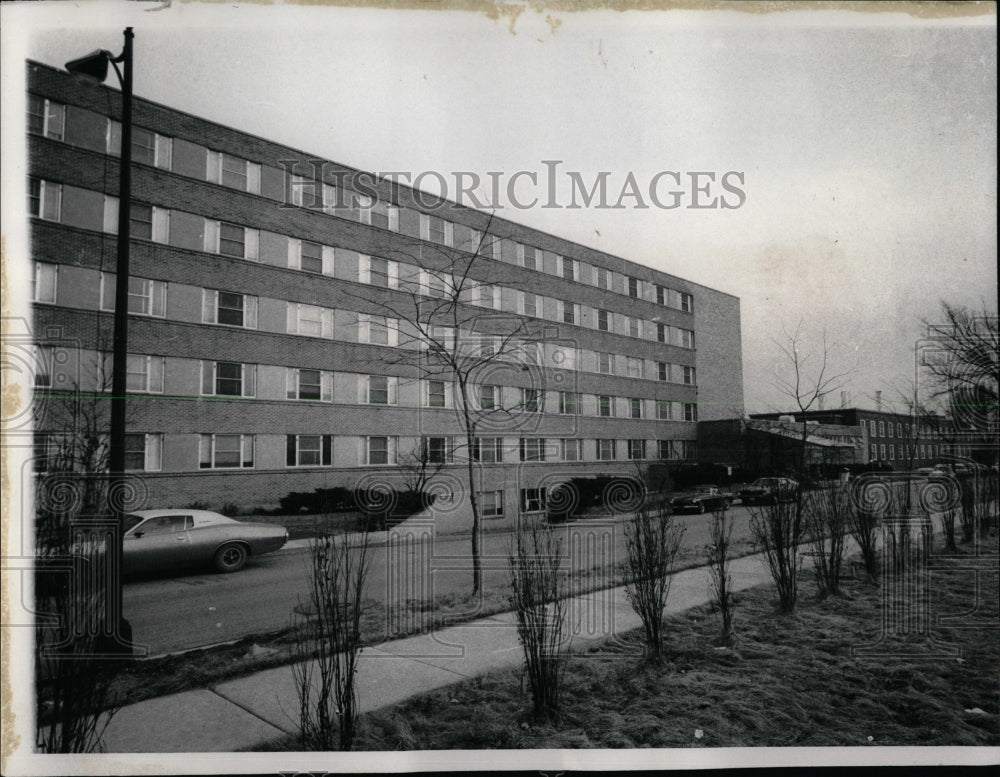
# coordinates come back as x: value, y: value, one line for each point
x: 789, y: 680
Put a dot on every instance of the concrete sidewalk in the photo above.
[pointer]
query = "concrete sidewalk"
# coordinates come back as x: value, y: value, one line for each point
x: 239, y: 714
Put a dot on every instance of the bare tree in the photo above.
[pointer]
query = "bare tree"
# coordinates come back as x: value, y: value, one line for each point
x: 811, y: 379
x: 826, y: 511
x: 419, y: 467
x: 329, y: 643
x: 967, y: 371
x: 445, y: 332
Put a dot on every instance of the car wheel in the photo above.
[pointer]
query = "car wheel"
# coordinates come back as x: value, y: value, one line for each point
x: 231, y: 557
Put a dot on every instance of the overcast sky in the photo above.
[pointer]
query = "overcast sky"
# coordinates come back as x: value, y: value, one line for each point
x: 866, y: 141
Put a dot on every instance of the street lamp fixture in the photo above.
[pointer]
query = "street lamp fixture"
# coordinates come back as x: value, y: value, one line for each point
x: 93, y: 69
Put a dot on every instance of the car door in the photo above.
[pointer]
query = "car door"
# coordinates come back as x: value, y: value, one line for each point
x: 159, y: 542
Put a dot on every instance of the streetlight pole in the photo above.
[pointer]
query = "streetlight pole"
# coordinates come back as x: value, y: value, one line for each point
x: 94, y: 68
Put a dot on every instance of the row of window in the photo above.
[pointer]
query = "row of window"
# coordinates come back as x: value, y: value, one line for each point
x: 149, y: 222
x: 234, y: 379
x: 885, y: 429
x: 147, y: 297
x: 144, y: 452
x: 905, y: 452
x: 48, y: 119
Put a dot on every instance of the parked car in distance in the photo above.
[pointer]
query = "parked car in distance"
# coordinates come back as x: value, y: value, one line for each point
x: 157, y: 540
x: 769, y: 491
x: 701, y: 499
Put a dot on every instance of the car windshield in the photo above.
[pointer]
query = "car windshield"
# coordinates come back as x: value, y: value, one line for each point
x: 131, y: 521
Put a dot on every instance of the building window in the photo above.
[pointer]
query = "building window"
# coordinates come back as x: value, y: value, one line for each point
x: 661, y: 333
x: 892, y: 452
x: 636, y: 449
x: 377, y: 330
x: 532, y: 500
x: 488, y: 450
x: 569, y: 403
x: 43, y: 358
x: 308, y: 450
x: 568, y: 312
x: 143, y: 452
x: 490, y: 397
x: 568, y: 268
x: 309, y: 384
x: 144, y: 374
x: 871, y: 426
x: 634, y: 365
x: 310, y: 257
x: 490, y: 504
x: 146, y: 222
x: 46, y: 118
x: 237, y: 173
x: 231, y: 240
x: 229, y: 308
x: 309, y: 320
x: 668, y: 450
x: 43, y: 282
x: 381, y: 390
x: 899, y: 430
x: 605, y: 406
x: 532, y: 448
x: 571, y: 449
x: 145, y: 297
x: 602, y: 278
x: 148, y: 148
x: 532, y: 400
x: 436, y: 229
x: 485, y: 295
x: 633, y: 287
x: 226, y: 451
x: 874, y: 450
x: 688, y: 376
x: 662, y: 371
x: 690, y: 411
x: 606, y: 363
x: 228, y: 379
x: 687, y: 338
x: 44, y: 199
x: 664, y: 410
x: 661, y: 295
x: 437, y: 450
x: 890, y: 429
x: 687, y: 303
x: 529, y: 258
x: 602, y: 320
x: 635, y: 408
x: 606, y: 450
x: 436, y: 394
x: 381, y: 214
x: 881, y: 451
x: 634, y: 327
x: 380, y: 450
x: 529, y: 304
x: 881, y: 428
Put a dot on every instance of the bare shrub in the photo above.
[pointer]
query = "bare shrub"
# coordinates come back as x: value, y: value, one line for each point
x: 777, y: 530
x: 652, y: 540
x: 826, y: 512
x: 718, y: 568
x: 536, y: 595
x: 329, y: 643
x: 75, y: 664
x: 863, y: 524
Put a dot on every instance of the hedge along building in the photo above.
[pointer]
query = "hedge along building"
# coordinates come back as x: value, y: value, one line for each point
x: 264, y: 354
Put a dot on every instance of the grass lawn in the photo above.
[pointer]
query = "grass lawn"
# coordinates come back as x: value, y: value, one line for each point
x: 789, y: 680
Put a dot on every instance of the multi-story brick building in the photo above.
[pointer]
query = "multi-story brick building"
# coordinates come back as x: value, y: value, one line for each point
x: 892, y: 438
x: 264, y: 356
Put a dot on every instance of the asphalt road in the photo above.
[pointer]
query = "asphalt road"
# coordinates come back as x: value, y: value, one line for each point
x: 195, y: 610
